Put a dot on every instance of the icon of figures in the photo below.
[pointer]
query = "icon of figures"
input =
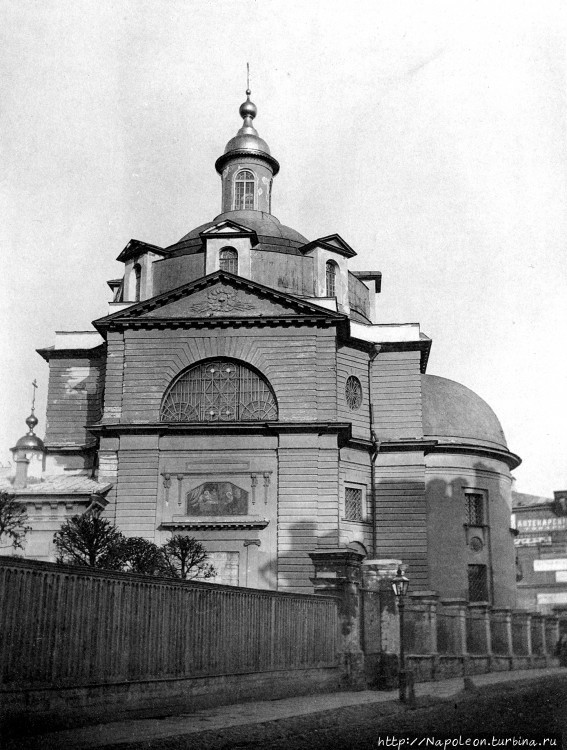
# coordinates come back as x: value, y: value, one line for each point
x: 217, y: 499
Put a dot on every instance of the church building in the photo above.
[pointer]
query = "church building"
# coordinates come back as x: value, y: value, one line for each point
x: 241, y: 391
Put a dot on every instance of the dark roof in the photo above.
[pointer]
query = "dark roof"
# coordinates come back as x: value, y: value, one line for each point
x: 60, y: 484
x: 267, y: 227
x: 453, y: 412
x: 524, y: 500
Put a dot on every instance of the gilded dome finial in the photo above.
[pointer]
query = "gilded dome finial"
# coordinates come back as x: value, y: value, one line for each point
x: 32, y: 420
x: 248, y: 108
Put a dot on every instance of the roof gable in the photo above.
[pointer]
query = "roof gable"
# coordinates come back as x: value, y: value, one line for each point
x: 137, y: 247
x: 229, y: 228
x: 332, y: 242
x: 219, y: 296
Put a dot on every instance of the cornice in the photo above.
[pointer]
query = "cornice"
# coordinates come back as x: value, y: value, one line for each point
x: 245, y: 153
x: 500, y: 454
x: 342, y: 429
x: 52, y: 353
x: 221, y: 322
x: 220, y: 522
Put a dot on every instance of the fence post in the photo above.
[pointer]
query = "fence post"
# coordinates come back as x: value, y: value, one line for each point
x: 501, y: 634
x: 521, y: 637
x: 479, y: 632
x: 452, y: 634
x: 538, y: 635
x: 380, y: 625
x: 551, y: 634
x: 422, y: 627
x: 338, y: 572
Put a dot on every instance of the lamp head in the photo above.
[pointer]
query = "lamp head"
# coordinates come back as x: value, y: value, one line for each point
x: 400, y: 583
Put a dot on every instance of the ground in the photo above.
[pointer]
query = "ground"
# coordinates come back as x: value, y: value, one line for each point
x: 506, y: 710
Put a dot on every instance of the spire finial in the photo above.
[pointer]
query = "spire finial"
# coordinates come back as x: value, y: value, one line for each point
x: 32, y: 420
x: 248, y: 110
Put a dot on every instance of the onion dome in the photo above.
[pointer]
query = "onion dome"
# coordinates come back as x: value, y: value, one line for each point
x: 247, y: 142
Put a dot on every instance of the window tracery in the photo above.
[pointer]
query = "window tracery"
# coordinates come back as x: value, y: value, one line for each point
x: 219, y: 391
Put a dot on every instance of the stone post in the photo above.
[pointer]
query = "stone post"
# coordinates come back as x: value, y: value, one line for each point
x: 380, y: 631
x: 337, y: 572
x: 551, y: 634
x: 501, y: 631
x: 424, y: 605
x: 452, y: 637
x: 422, y: 632
x: 479, y: 629
x: 521, y: 636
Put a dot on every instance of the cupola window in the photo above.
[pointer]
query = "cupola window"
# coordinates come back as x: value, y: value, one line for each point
x: 219, y: 391
x: 244, y: 185
x: 331, y: 278
x: 228, y: 260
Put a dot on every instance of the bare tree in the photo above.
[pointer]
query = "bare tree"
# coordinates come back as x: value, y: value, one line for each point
x: 13, y: 521
x: 186, y: 558
x: 90, y: 540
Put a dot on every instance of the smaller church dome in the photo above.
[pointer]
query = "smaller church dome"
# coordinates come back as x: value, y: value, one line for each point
x: 247, y: 142
x: 247, y: 138
x: 30, y: 442
x: 454, y: 413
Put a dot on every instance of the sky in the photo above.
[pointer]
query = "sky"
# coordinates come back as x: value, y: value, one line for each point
x: 429, y: 135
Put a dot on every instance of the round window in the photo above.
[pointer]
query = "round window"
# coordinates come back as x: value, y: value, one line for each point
x: 353, y: 393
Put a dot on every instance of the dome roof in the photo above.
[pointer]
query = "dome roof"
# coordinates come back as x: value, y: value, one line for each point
x: 265, y: 225
x: 29, y: 442
x: 247, y: 142
x: 454, y: 413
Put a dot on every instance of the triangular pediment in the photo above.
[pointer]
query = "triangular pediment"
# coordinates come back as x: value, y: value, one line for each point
x: 331, y: 242
x: 219, y: 296
x: 227, y: 227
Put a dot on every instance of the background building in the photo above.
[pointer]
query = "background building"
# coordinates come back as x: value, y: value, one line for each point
x: 240, y: 390
x: 541, y: 551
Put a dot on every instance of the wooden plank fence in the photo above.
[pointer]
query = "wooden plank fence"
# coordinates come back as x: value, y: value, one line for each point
x: 71, y: 626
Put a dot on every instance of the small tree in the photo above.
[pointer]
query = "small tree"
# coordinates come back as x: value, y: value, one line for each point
x: 89, y: 540
x: 186, y: 558
x: 13, y: 521
x: 142, y: 556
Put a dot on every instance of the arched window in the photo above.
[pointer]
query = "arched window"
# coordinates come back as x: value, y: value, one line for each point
x: 219, y: 391
x: 137, y: 281
x: 228, y: 260
x: 244, y: 190
x: 331, y: 278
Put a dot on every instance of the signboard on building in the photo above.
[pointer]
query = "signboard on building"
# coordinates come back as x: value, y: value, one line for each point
x: 527, y: 525
x: 557, y: 563
x: 532, y: 541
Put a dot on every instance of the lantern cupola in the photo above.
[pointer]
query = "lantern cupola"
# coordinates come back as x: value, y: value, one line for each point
x: 247, y: 167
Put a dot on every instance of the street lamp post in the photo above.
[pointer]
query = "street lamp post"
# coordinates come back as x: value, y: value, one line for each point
x: 400, y: 586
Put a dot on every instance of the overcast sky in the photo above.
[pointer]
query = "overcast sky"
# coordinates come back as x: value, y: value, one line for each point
x: 430, y: 135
